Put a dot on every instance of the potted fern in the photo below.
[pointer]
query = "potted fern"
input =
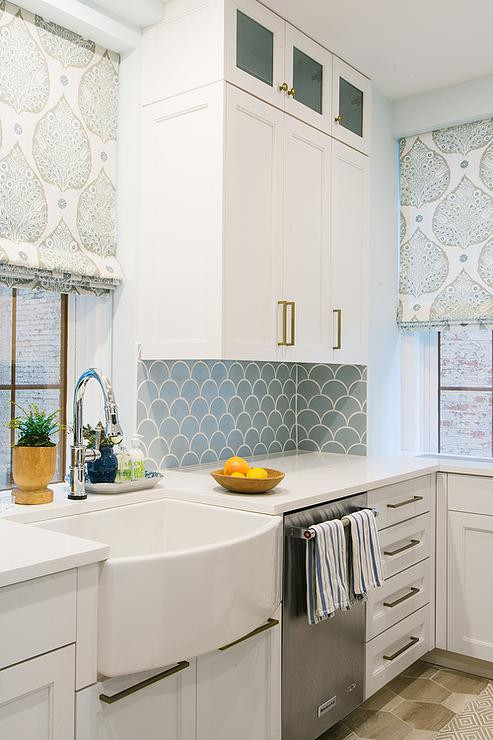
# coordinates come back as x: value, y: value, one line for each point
x: 34, y: 454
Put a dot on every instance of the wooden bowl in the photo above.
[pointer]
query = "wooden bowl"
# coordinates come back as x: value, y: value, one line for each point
x: 248, y: 485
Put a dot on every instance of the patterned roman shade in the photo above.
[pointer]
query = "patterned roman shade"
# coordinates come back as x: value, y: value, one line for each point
x: 58, y: 119
x: 446, y: 228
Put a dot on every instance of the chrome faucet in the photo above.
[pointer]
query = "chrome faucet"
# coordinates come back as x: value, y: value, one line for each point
x: 79, y: 453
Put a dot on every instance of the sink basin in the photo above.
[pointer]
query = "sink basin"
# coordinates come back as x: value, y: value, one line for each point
x: 182, y: 579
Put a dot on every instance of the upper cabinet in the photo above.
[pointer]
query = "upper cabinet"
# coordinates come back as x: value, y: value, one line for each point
x: 351, y: 106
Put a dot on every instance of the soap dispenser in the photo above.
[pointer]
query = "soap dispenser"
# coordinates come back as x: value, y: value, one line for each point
x: 137, y: 458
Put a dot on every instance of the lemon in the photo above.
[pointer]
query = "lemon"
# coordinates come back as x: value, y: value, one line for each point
x: 237, y: 474
x: 257, y: 473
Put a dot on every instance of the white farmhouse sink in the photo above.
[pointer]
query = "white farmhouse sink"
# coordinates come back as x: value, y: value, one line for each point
x: 182, y: 579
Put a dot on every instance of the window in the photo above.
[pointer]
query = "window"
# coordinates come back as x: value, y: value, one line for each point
x: 465, y: 393
x: 33, y: 364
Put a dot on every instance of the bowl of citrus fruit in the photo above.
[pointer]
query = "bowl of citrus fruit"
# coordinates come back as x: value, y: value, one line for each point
x: 239, y: 477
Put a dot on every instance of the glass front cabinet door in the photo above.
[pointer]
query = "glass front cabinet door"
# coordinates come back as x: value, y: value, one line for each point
x: 308, y: 69
x: 254, y: 49
x: 351, y: 106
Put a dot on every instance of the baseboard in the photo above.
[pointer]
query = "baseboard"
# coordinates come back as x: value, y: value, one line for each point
x: 458, y: 662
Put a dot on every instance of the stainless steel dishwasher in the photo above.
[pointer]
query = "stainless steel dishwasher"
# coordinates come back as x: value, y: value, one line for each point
x: 323, y: 665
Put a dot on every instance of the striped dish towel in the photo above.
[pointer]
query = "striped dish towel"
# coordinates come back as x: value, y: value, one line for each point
x: 365, y: 560
x: 326, y: 571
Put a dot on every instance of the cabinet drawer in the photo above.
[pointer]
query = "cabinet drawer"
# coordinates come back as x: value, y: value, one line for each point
x: 399, y: 596
x: 405, y: 544
x: 37, y: 616
x: 402, y: 501
x: 469, y: 493
x: 396, y: 649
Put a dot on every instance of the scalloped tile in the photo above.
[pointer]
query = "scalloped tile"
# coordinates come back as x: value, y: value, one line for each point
x: 201, y: 411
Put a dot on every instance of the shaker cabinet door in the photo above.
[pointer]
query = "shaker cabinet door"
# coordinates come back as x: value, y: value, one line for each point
x: 351, y: 106
x: 254, y: 49
x: 349, y: 255
x: 37, y: 698
x: 309, y: 78
x: 252, y: 227
x: 306, y: 242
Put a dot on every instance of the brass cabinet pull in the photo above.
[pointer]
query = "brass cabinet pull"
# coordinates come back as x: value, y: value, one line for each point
x: 142, y: 685
x: 338, y: 312
x: 284, y: 340
x: 413, y: 543
x: 411, y: 593
x: 284, y: 87
x: 405, y: 503
x: 292, y: 92
x: 292, y: 306
x: 413, y: 641
x: 338, y: 119
x: 267, y: 626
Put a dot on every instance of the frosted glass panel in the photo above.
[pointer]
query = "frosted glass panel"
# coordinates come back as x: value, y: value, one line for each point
x: 466, y: 359
x: 351, y: 107
x: 307, y: 80
x: 254, y: 48
x: 465, y: 423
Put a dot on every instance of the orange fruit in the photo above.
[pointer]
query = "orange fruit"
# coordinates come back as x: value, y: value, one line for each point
x: 257, y: 473
x: 236, y: 465
x: 238, y: 475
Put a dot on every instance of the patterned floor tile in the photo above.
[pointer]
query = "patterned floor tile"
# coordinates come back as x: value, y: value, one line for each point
x: 475, y: 722
x: 423, y: 715
x: 384, y: 700
x: 338, y: 732
x: 460, y: 683
x: 377, y: 725
x: 420, y: 669
x: 419, y: 689
x: 457, y: 702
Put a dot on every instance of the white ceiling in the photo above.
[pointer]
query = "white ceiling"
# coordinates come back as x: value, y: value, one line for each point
x: 406, y: 48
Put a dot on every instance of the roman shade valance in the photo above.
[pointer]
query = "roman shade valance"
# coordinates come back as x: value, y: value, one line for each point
x: 58, y: 118
x: 446, y: 228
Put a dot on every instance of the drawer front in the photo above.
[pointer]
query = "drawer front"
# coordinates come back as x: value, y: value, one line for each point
x: 396, y: 649
x: 399, y: 596
x: 402, y: 501
x: 473, y: 494
x: 37, y: 616
x: 405, y: 544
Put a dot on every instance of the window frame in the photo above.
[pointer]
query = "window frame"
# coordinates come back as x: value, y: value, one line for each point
x: 13, y: 386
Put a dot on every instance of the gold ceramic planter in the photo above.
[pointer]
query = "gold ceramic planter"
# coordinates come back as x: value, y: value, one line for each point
x: 32, y: 469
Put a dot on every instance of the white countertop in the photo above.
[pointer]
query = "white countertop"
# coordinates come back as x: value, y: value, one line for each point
x: 30, y: 552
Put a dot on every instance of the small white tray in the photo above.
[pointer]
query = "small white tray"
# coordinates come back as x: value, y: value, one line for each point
x: 149, y: 481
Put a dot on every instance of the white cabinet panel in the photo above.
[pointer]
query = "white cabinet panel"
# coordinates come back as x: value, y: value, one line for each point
x: 349, y: 254
x: 309, y: 77
x: 351, y: 106
x: 402, y: 501
x: 164, y: 710
x: 37, y: 698
x: 470, y: 596
x: 397, y: 648
x: 405, y: 544
x: 254, y: 49
x: 399, y: 596
x: 306, y: 240
x: 471, y: 493
x: 181, y: 226
x: 239, y: 690
x: 253, y: 226
x: 49, y: 603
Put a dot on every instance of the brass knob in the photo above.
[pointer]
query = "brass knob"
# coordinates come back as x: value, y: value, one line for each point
x: 338, y: 119
x: 292, y: 92
x: 284, y: 87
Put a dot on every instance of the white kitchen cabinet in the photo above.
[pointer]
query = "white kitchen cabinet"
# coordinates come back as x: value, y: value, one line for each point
x: 239, y: 689
x: 351, y: 93
x: 349, y: 255
x: 306, y: 253
x: 470, y: 599
x: 161, y: 710
x: 37, y: 698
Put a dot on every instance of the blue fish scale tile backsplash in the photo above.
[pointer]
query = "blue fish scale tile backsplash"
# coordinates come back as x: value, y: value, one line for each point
x: 202, y: 411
